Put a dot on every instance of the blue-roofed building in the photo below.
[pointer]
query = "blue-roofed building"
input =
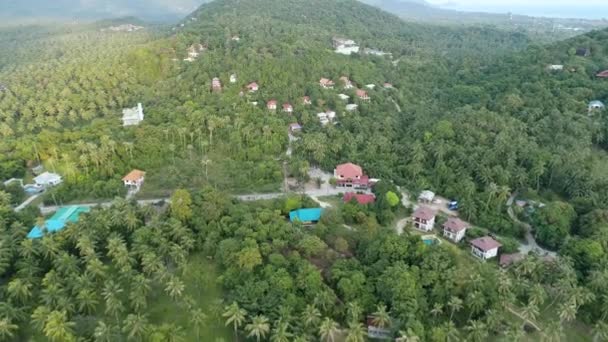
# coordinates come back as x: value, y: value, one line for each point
x: 306, y: 216
x: 58, y: 221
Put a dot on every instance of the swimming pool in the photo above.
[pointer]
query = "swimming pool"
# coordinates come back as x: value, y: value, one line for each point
x: 430, y: 240
x: 32, y: 189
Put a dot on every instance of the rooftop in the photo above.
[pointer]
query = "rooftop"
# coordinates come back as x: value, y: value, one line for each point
x: 349, y: 170
x: 424, y: 213
x: 485, y: 243
x: 47, y: 177
x: 134, y: 175
x: 455, y: 225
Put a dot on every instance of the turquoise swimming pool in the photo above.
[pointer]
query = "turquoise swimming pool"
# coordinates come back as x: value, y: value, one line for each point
x: 430, y: 240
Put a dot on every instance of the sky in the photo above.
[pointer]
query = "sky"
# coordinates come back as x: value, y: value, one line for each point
x: 596, y: 9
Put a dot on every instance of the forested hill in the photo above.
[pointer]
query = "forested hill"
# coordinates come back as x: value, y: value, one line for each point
x: 313, y: 23
x: 470, y: 113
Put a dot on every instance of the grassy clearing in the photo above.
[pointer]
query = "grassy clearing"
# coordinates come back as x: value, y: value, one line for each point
x: 201, y: 285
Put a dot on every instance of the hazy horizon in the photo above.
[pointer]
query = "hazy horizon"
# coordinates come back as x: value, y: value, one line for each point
x: 585, y: 9
x: 175, y: 9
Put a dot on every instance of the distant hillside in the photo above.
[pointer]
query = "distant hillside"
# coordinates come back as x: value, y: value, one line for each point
x: 316, y: 21
x: 419, y: 10
x: 95, y: 9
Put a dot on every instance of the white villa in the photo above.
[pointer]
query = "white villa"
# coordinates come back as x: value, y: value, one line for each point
x: 133, y: 116
x: 326, y: 117
x: 485, y: 247
x: 345, y: 46
x: 233, y: 78
x: 423, y: 219
x: 596, y: 106
x: 351, y: 107
x: 455, y: 229
x: 134, y: 179
x: 555, y: 67
x: 343, y: 97
x: 48, y: 179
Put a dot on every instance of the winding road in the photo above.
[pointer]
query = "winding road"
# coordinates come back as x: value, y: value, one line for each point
x: 531, y: 244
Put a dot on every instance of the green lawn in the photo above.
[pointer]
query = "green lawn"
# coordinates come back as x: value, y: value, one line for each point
x: 201, y: 285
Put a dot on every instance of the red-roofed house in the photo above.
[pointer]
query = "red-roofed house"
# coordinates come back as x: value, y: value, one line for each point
x: 287, y: 108
x: 350, y: 175
x: 455, y: 229
x: 326, y: 83
x: 347, y: 83
x: 360, y: 198
x: 423, y: 218
x: 135, y: 178
x: 362, y: 94
x: 271, y: 105
x: 485, y: 247
x: 603, y: 74
x: 253, y: 87
x: 306, y: 100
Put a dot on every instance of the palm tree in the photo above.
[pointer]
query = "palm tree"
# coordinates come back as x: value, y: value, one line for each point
x: 600, y: 331
x: 39, y: 316
x: 407, y: 336
x: 354, y: 311
x: 311, y: 316
x: 175, y: 287
x: 538, y: 294
x: 452, y: 333
x: 87, y: 301
x: 234, y: 315
x: 58, y: 328
x: 553, y: 333
x: 455, y: 305
x: 198, y: 320
x: 7, y: 329
x: 104, y: 332
x: 437, y: 309
x: 355, y: 333
x: 328, y: 330
x: 258, y: 327
x: 530, y: 312
x: 135, y: 327
x: 567, y: 312
x: 19, y: 290
x: 381, y: 319
x: 110, y: 294
x: 476, y: 302
x: 477, y: 331
x: 281, y: 333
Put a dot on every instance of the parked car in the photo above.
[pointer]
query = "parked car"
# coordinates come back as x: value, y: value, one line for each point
x: 453, y: 205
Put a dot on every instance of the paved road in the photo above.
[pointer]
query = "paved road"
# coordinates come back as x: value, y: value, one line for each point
x: 530, y: 244
x: 26, y: 203
x: 45, y: 210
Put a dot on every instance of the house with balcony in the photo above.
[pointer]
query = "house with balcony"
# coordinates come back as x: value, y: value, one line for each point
x: 455, y: 229
x: 485, y: 247
x: 423, y: 219
x: 134, y: 179
x: 350, y: 175
x: 326, y: 83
